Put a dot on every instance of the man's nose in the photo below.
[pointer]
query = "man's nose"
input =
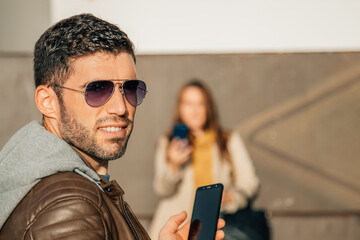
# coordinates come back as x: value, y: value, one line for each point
x: 117, y: 102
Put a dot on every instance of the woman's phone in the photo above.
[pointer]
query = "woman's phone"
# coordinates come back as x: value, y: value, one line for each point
x: 180, y: 131
x: 206, y: 212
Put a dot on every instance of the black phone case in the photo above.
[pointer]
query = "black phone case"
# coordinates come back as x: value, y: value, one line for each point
x: 206, y: 212
x: 180, y: 131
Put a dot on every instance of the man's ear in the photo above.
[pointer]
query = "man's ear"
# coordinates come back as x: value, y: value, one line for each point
x: 47, y: 101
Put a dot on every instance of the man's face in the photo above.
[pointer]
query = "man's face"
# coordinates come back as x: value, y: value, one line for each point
x: 100, y: 132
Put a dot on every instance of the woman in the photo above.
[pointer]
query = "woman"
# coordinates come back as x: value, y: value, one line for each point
x: 209, y: 155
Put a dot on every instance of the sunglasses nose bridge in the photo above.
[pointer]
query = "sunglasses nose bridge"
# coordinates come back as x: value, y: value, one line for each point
x: 121, y: 88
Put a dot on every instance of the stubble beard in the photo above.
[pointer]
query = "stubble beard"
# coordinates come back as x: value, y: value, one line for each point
x: 79, y: 136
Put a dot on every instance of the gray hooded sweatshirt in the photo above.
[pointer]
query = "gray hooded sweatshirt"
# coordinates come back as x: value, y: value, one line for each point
x: 32, y: 154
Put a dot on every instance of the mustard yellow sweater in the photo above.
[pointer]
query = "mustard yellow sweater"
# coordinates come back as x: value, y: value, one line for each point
x: 202, y: 159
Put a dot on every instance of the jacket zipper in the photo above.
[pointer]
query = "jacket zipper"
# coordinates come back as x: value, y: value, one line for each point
x: 129, y: 220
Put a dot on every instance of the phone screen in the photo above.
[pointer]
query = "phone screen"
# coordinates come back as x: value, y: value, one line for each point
x: 206, y: 212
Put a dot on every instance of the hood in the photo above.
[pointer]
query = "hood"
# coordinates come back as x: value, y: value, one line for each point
x: 32, y: 154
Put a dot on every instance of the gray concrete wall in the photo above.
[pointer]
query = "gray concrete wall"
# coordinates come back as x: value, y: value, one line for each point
x: 298, y: 113
x: 21, y: 24
x: 16, y: 94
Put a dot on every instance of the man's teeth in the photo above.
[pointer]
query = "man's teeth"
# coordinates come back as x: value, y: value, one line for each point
x: 111, y: 129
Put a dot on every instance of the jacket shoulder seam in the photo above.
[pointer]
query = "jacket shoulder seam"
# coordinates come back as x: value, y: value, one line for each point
x: 58, y: 200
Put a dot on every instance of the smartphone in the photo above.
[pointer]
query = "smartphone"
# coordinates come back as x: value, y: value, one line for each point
x: 181, y: 131
x: 206, y: 212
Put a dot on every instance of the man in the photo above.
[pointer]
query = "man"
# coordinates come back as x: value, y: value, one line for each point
x: 54, y: 175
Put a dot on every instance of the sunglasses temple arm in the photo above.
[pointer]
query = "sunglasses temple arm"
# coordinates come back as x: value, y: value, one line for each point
x: 69, y: 88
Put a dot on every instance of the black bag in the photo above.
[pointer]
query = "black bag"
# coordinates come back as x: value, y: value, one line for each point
x: 247, y: 224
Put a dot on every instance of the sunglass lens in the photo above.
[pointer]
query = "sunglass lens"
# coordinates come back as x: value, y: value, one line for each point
x: 135, y: 91
x: 98, y: 92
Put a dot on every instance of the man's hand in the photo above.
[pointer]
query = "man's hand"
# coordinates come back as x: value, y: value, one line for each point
x: 227, y: 197
x: 171, y: 230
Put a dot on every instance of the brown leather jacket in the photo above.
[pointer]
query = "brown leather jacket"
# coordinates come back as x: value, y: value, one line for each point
x: 69, y: 206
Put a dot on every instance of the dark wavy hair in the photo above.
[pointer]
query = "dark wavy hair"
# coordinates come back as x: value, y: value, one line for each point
x: 71, y: 38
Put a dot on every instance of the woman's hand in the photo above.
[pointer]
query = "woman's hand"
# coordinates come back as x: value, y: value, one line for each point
x: 171, y: 230
x: 178, y: 153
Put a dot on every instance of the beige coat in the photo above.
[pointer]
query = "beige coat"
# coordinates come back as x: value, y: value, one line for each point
x: 177, y: 191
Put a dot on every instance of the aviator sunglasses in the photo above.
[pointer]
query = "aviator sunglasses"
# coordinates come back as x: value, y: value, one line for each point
x: 97, y: 93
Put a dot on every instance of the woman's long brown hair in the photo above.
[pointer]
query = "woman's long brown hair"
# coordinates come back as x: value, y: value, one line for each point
x: 212, y: 120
